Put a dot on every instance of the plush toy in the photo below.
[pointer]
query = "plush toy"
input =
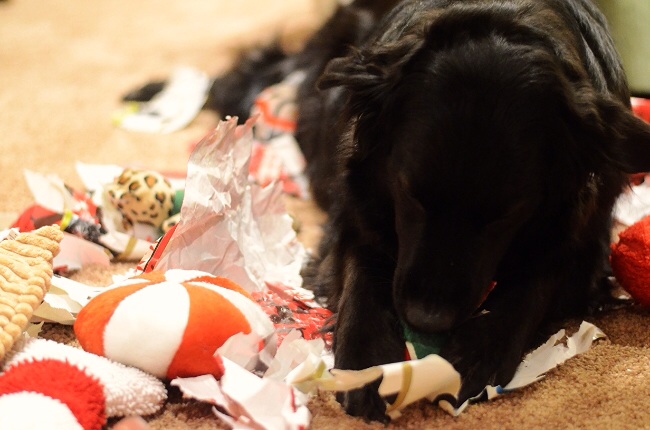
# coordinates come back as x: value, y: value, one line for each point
x: 170, y: 324
x: 641, y: 108
x: 72, y: 400
x: 47, y: 385
x: 143, y: 197
x: 25, y: 274
x: 419, y: 344
x: 44, y: 384
x: 630, y: 260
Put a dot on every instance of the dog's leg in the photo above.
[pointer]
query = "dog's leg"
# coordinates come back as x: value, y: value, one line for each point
x: 144, y: 93
x: 234, y: 92
x: 367, y: 331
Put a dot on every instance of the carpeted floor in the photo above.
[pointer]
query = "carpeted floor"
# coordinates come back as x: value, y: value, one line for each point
x: 64, y: 65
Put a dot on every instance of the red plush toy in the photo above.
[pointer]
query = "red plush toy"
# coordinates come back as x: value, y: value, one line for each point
x: 171, y: 323
x: 631, y: 260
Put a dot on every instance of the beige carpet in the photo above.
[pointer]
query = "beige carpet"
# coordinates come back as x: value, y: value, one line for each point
x: 64, y: 65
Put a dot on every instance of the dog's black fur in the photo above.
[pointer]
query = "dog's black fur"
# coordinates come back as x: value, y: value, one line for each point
x: 456, y: 143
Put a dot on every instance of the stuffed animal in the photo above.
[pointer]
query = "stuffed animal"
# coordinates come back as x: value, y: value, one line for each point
x: 171, y: 323
x: 44, y: 384
x: 72, y: 400
x: 142, y: 196
x: 25, y: 275
x: 630, y: 260
x: 71, y: 389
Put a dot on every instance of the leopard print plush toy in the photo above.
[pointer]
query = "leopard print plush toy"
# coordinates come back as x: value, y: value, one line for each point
x: 141, y: 196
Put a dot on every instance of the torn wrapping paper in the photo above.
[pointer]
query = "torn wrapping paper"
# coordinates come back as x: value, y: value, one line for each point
x: 296, y: 357
x: 53, y: 194
x: 228, y: 225
x: 276, y: 154
x: 277, y: 108
x: 294, y: 309
x: 76, y: 253
x: 280, y: 158
x: 79, y: 215
x: 249, y: 351
x: 557, y: 349
x: 250, y: 402
x: 64, y: 300
x: 553, y: 353
x: 57, y: 203
x: 307, y: 366
x: 432, y: 376
x: 429, y: 377
x: 172, y: 109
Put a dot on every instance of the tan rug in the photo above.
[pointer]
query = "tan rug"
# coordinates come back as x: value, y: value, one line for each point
x: 64, y: 65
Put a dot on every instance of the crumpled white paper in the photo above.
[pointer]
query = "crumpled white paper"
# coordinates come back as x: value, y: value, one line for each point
x: 297, y: 357
x: 173, y: 108
x: 75, y: 253
x: 229, y: 225
x: 50, y: 191
x: 251, y: 402
x: 432, y: 376
x: 64, y: 300
x: 428, y: 377
x: 543, y: 359
x: 553, y: 353
x: 244, y: 350
x: 302, y: 365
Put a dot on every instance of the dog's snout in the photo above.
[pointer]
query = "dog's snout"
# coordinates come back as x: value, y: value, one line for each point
x: 427, y: 319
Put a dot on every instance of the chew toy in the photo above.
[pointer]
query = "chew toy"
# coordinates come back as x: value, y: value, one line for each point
x: 74, y: 401
x: 170, y: 324
x: 25, y: 274
x: 142, y: 196
x: 419, y: 345
x: 630, y: 260
x: 71, y: 389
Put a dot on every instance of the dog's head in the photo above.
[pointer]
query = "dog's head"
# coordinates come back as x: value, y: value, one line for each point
x: 482, y: 135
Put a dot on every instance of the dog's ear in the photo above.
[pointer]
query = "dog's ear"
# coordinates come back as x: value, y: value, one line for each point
x: 371, y: 71
x: 623, y: 137
x: 630, y: 133
x: 369, y: 75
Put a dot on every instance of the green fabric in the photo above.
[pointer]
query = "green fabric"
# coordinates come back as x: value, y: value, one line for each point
x: 178, y: 201
x: 424, y: 343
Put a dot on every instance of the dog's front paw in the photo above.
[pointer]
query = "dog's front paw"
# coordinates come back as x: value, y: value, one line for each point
x: 365, y: 403
x: 483, y: 356
x: 144, y: 93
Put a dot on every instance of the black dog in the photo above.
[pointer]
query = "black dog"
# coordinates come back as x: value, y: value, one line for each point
x: 458, y: 144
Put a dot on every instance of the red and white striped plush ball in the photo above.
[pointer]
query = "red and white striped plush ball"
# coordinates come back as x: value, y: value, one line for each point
x: 50, y: 394
x: 170, y: 323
